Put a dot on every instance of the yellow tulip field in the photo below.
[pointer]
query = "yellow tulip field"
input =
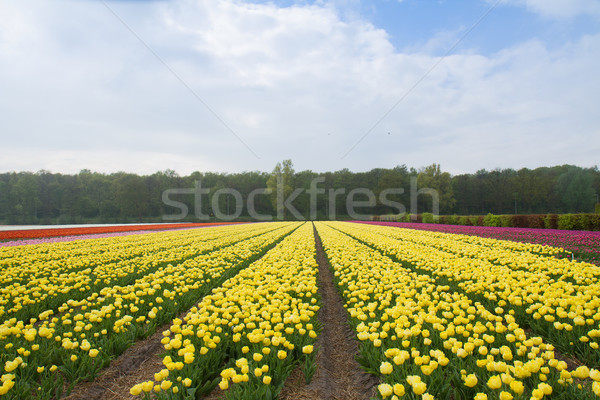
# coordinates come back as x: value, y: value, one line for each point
x: 435, y: 315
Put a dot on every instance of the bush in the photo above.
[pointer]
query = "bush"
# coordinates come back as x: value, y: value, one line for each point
x: 506, y: 221
x: 551, y: 221
x: 597, y: 208
x: 491, y: 220
x: 474, y: 220
x: 595, y: 222
x: 428, y: 218
x: 519, y: 221
x: 535, y: 221
x: 452, y: 219
x: 464, y: 220
x: 567, y: 221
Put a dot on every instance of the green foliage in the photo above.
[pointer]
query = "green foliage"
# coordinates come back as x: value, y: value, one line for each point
x: 428, y: 218
x: 91, y: 197
x: 281, y: 183
x: 551, y: 221
x: 491, y: 220
x: 432, y: 177
x: 506, y: 221
x: 577, y: 190
x: 474, y: 221
x: 567, y: 221
x: 464, y: 220
x: 452, y: 219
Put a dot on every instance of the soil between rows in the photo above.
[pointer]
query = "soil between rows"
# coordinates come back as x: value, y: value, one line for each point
x: 135, y: 365
x: 338, y: 375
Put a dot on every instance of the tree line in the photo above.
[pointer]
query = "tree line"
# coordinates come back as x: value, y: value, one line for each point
x: 49, y: 198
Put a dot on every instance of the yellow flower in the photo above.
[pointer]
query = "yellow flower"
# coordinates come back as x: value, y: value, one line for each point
x: 494, y: 382
x: 470, y: 380
x: 188, y: 358
x: 385, y: 390
x: 224, y: 384
x: 505, y: 396
x: 135, y: 390
x: 517, y: 386
x: 419, y: 388
x: 581, y: 372
x: 399, y: 389
x: 267, y: 380
x: 307, y: 349
x: 386, y: 368
x: 147, y: 386
x: 10, y: 366
x: 165, y: 385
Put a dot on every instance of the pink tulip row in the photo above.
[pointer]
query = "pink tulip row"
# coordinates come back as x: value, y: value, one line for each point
x: 585, y: 245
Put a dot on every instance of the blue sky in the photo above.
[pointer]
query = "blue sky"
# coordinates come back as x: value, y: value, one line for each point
x: 238, y: 85
x: 413, y: 23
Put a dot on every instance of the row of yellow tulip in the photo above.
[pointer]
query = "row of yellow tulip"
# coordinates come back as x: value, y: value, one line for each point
x: 79, y: 337
x: 247, y: 334
x: 426, y: 340
x: 557, y: 298
x: 34, y: 278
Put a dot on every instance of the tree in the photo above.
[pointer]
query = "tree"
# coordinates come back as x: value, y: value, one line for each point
x: 281, y: 183
x: 432, y: 177
x: 26, y: 190
x: 131, y: 195
x: 576, y: 187
x: 397, y: 180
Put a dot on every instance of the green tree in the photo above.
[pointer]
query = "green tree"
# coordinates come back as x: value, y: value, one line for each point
x: 131, y: 196
x: 281, y: 183
x: 26, y: 191
x: 576, y: 187
x: 432, y: 177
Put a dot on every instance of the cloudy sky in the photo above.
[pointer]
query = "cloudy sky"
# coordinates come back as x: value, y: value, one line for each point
x: 232, y: 85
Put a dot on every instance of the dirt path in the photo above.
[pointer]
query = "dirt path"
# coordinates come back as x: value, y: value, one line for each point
x: 136, y: 364
x: 338, y: 375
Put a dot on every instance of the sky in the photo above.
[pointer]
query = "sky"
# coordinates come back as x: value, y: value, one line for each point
x: 230, y: 85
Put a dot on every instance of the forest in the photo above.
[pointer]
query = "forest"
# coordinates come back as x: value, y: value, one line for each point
x: 90, y: 197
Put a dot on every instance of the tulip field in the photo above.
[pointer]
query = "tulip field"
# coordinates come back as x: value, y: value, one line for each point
x: 435, y: 315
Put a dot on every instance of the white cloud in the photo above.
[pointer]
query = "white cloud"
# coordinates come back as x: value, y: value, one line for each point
x: 79, y: 91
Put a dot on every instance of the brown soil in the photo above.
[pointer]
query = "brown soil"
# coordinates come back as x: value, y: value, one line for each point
x: 338, y: 375
x: 135, y: 365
